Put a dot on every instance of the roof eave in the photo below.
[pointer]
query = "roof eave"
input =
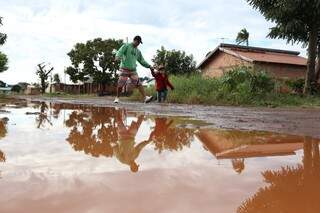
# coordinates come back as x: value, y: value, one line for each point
x: 230, y: 52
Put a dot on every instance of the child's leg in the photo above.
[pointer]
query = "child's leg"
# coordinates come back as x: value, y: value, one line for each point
x: 165, y: 94
x: 159, y: 96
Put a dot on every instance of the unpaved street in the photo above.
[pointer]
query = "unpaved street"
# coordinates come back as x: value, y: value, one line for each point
x: 297, y: 121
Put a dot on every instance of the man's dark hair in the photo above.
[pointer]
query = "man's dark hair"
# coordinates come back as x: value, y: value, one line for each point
x: 138, y: 38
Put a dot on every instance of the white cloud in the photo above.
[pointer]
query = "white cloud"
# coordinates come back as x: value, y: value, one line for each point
x: 46, y: 30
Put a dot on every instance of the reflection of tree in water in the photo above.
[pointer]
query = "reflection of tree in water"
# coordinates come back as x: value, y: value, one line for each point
x: 3, y: 127
x: 291, y: 189
x: 93, y: 133
x: 166, y: 136
x: 3, y: 133
x: 42, y: 118
x: 238, y: 165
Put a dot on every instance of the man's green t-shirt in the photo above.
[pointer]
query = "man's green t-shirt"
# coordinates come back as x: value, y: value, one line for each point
x: 129, y: 56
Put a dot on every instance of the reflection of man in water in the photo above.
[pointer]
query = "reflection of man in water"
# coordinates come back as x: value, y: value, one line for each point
x: 125, y: 149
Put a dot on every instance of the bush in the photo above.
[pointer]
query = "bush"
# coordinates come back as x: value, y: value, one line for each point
x: 16, y: 88
x: 296, y: 85
x: 240, y: 86
x: 239, y: 78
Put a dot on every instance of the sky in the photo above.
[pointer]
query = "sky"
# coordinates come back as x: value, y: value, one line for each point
x: 46, y: 30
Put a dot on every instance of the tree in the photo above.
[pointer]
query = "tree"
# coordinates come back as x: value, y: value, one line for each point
x: 43, y: 74
x: 2, y: 84
x: 243, y: 37
x: 175, y: 61
x: 56, y: 78
x: 290, y: 189
x: 3, y: 57
x: 94, y: 59
x: 318, y: 61
x: 3, y: 37
x: 16, y: 88
x: 295, y: 20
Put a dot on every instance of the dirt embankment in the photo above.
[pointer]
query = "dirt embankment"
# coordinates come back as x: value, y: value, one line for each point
x: 297, y: 121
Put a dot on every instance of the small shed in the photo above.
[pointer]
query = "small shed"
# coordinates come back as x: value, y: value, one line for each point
x: 32, y: 90
x: 278, y: 63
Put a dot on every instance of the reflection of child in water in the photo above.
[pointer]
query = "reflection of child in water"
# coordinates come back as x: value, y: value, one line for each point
x: 238, y: 165
x: 165, y: 137
x: 125, y: 149
x: 160, y: 129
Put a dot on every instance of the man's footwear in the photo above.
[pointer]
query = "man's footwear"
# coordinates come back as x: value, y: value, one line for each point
x: 116, y: 100
x: 148, y: 99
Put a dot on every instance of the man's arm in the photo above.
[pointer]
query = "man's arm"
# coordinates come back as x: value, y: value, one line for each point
x: 142, y: 61
x: 121, y: 52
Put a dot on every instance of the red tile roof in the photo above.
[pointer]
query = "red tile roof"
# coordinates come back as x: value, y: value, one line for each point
x: 272, y: 57
x: 256, y: 54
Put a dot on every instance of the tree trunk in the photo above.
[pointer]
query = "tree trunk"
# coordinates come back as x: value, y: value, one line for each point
x: 318, y: 64
x: 311, y: 66
x: 43, y: 86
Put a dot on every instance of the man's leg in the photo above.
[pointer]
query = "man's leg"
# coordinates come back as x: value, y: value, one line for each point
x: 121, y: 82
x: 135, y: 81
x: 141, y: 90
x: 119, y: 90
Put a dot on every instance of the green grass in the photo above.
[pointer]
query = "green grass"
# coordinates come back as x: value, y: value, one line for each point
x: 240, y: 87
x: 66, y: 95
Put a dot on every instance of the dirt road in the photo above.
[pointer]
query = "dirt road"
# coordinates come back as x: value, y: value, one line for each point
x: 291, y: 121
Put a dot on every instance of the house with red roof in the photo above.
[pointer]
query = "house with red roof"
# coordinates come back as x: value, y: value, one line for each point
x: 278, y: 63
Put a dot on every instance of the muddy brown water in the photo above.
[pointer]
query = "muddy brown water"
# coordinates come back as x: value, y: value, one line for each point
x: 57, y: 157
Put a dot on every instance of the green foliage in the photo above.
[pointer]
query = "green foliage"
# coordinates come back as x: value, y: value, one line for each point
x: 296, y: 85
x: 176, y: 62
x: 244, y: 81
x: 56, y: 78
x: 95, y: 60
x: 16, y: 88
x: 3, y: 62
x: 3, y: 37
x: 296, y: 21
x: 3, y: 57
x: 243, y: 37
x: 241, y: 86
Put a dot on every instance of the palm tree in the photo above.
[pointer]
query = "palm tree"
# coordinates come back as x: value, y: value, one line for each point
x: 243, y: 36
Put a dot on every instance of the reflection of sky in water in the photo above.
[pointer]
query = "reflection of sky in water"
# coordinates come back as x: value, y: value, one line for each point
x: 43, y: 158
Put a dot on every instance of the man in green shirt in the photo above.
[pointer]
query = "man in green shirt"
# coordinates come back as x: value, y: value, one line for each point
x: 129, y: 54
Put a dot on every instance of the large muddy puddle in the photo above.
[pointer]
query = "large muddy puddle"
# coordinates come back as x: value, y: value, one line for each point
x: 78, y: 158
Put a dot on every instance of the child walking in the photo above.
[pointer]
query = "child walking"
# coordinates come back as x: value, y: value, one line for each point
x: 162, y: 83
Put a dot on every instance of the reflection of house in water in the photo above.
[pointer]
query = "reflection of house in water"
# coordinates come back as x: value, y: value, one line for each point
x: 234, y: 144
x: 291, y: 188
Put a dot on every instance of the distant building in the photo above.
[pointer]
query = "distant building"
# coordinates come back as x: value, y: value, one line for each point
x: 23, y: 85
x: 278, y: 63
x: 32, y: 90
x: 5, y: 90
